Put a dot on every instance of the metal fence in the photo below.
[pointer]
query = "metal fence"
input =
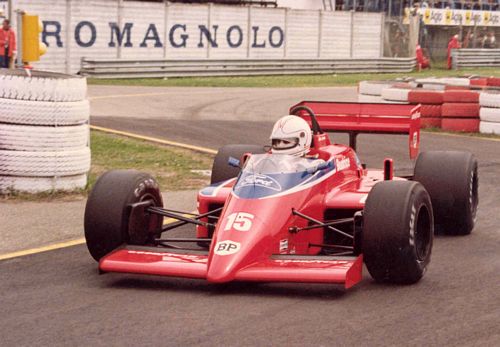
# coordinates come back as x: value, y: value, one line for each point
x: 184, y: 68
x: 469, y: 57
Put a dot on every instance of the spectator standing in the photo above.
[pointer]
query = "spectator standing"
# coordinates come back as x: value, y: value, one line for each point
x: 490, y: 40
x: 468, y: 41
x: 7, y: 44
x: 452, y: 44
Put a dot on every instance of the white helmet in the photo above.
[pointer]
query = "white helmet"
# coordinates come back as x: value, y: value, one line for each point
x: 291, y: 135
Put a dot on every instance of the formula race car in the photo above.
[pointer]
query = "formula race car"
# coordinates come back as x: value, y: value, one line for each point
x: 316, y: 216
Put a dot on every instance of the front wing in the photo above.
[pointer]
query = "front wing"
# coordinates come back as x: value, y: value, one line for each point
x: 194, y: 264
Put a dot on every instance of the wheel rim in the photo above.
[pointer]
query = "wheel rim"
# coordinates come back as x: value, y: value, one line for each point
x: 153, y: 227
x: 423, y: 233
x: 153, y: 222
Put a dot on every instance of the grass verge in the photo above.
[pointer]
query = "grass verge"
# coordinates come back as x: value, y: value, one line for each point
x: 170, y: 166
x: 326, y: 80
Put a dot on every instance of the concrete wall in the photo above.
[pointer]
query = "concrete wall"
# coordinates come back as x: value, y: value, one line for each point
x: 137, y: 30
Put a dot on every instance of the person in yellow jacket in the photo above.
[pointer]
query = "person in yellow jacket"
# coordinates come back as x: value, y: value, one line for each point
x: 7, y: 44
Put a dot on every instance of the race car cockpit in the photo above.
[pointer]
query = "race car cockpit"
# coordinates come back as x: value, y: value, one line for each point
x: 270, y: 174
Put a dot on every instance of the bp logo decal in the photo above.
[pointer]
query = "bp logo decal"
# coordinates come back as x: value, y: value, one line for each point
x: 227, y: 247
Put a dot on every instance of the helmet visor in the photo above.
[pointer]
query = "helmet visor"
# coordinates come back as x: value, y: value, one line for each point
x: 287, y: 143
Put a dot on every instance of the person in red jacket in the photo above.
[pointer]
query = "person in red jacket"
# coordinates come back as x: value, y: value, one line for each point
x: 423, y: 61
x: 7, y: 44
x: 453, y: 44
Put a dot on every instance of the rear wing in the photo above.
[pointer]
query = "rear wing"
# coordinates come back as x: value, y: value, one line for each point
x: 357, y: 118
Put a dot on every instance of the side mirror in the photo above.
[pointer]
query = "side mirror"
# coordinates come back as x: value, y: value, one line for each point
x: 244, y: 158
x: 231, y: 161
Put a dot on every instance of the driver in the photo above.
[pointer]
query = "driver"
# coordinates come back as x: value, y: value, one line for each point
x: 292, y: 135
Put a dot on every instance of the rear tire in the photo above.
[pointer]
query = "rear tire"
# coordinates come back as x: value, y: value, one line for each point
x: 451, y: 178
x: 221, y: 170
x: 398, y: 231
x: 107, y: 215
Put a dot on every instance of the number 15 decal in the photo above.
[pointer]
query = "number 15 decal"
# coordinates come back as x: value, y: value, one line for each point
x: 240, y: 221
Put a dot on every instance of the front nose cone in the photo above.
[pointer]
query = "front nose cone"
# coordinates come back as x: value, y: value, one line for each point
x: 224, y: 262
x: 220, y: 276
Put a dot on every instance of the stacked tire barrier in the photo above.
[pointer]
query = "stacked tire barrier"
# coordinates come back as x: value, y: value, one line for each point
x: 489, y: 112
x: 460, y: 111
x: 44, y: 131
x: 448, y: 103
x: 431, y: 110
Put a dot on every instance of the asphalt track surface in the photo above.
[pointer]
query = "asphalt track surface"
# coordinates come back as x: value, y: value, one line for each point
x: 58, y: 298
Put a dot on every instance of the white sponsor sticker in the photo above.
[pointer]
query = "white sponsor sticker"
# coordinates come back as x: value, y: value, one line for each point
x: 343, y: 164
x: 144, y: 185
x: 227, y: 247
x: 412, y: 225
x: 261, y: 181
x: 283, y: 245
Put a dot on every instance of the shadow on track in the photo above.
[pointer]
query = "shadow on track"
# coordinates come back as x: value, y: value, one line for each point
x: 294, y: 290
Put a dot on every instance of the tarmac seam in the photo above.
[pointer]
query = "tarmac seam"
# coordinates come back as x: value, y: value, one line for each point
x: 115, y: 96
x: 155, y: 140
x: 464, y: 136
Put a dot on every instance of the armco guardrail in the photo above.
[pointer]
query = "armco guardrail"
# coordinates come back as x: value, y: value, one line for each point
x: 471, y: 57
x: 193, y: 68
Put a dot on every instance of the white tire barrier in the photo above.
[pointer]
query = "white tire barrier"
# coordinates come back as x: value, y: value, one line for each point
x: 373, y: 87
x: 42, y: 184
x: 370, y: 98
x: 433, y: 86
x: 395, y: 94
x: 36, y: 138
x: 450, y: 81
x: 44, y: 164
x: 44, y: 112
x: 490, y: 114
x: 44, y: 131
x: 456, y: 81
x: 41, y: 86
x: 373, y: 99
x: 489, y: 128
x: 489, y: 99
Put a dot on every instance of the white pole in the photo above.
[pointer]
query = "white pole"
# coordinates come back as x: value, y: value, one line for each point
x: 120, y: 24
x: 19, y: 19
x: 166, y: 41
x: 68, y: 36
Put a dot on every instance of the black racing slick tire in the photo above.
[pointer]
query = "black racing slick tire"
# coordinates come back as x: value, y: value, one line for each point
x: 107, y: 211
x: 221, y: 170
x: 398, y: 232
x: 451, y: 178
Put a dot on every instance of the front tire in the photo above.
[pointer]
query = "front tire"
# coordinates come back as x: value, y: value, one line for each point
x: 221, y: 170
x: 451, y: 178
x: 398, y: 231
x: 106, y: 218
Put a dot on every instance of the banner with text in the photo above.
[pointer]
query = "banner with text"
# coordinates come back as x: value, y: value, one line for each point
x: 439, y: 16
x: 107, y: 29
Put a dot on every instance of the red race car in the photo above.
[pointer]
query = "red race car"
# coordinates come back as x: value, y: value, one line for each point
x: 313, y: 216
